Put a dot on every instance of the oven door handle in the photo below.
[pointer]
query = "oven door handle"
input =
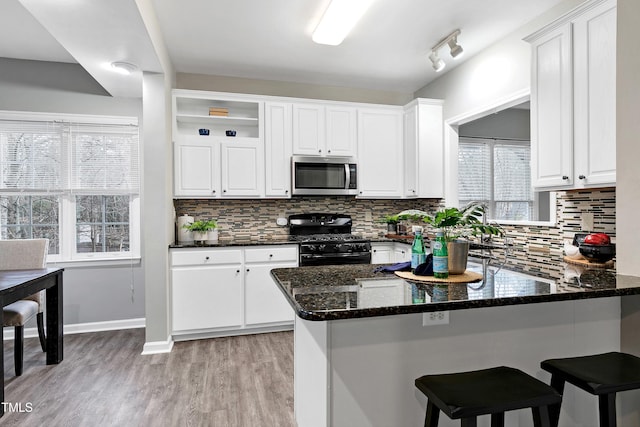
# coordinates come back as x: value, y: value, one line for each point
x: 336, y: 255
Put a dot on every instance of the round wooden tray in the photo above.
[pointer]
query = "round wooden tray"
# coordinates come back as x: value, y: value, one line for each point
x: 466, y: 277
x: 587, y: 263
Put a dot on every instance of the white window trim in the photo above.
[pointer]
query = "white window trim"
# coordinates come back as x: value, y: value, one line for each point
x: 451, y: 151
x: 68, y: 257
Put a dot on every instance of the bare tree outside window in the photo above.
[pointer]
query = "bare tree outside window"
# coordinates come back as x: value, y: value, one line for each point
x: 102, y: 223
x: 63, y: 170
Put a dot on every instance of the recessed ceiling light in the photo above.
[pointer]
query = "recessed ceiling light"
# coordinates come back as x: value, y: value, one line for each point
x: 125, y: 68
x: 339, y: 18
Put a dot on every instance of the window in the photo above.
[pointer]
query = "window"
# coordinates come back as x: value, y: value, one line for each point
x: 497, y: 173
x: 71, y: 179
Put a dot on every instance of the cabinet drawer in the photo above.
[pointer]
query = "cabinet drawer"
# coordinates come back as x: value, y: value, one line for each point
x: 271, y: 254
x: 205, y: 257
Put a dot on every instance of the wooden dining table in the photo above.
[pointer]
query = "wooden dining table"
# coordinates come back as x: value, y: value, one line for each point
x: 18, y: 284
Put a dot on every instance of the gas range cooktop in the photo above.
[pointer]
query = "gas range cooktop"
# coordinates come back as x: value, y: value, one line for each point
x: 333, y: 237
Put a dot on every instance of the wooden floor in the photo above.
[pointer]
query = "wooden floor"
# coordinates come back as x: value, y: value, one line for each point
x: 104, y: 381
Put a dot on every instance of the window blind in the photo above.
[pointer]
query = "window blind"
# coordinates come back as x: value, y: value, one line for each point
x: 31, y: 156
x: 69, y: 156
x: 496, y: 172
x: 104, y: 158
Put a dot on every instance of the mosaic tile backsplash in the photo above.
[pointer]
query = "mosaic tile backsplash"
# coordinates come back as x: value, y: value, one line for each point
x: 533, y: 245
x: 256, y: 219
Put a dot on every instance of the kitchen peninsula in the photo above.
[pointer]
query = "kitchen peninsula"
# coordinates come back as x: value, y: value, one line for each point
x: 361, y: 337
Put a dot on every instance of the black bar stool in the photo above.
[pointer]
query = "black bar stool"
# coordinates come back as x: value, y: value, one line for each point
x: 602, y: 375
x: 466, y: 395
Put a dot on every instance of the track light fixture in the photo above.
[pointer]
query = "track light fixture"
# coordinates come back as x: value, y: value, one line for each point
x: 455, y: 50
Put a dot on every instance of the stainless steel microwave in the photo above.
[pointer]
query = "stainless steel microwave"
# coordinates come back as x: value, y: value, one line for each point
x: 324, y: 176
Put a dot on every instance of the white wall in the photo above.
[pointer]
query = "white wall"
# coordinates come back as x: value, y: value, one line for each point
x: 628, y: 181
x: 493, y: 74
x: 94, y: 294
x: 294, y: 90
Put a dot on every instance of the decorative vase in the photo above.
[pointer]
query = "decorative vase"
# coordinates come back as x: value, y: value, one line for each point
x: 212, y: 236
x: 458, y: 251
x: 199, y: 236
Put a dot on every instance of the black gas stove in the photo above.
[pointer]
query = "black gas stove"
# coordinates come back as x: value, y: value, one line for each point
x: 326, y: 239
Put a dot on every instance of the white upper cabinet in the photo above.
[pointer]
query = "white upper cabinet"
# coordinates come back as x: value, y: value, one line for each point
x: 324, y: 130
x: 380, y: 157
x: 341, y: 131
x: 573, y: 99
x: 278, y: 144
x: 423, y: 149
x: 194, y: 170
x: 594, y: 47
x: 242, y: 168
x: 214, y: 164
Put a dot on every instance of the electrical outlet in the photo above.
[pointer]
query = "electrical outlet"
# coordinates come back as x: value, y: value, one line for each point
x: 587, y: 221
x: 435, y: 318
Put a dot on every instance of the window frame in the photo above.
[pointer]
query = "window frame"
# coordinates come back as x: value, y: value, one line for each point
x: 491, y: 202
x: 68, y: 254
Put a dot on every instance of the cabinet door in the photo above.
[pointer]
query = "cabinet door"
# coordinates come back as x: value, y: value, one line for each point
x: 430, y: 149
x: 278, y: 147
x: 381, y: 253
x: 206, y: 297
x: 242, y: 169
x: 308, y: 130
x: 594, y: 46
x: 411, y: 152
x: 380, y: 153
x: 551, y: 110
x: 341, y: 132
x: 401, y: 252
x: 264, y: 302
x: 195, y: 171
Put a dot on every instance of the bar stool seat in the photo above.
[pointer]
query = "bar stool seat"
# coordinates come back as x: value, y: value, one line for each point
x: 602, y: 375
x: 467, y: 395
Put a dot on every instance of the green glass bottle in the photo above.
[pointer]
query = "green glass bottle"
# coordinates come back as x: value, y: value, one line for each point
x: 418, y: 254
x: 440, y: 257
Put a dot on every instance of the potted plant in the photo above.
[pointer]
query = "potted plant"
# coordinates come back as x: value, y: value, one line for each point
x: 203, y: 230
x: 458, y: 226
x: 392, y: 223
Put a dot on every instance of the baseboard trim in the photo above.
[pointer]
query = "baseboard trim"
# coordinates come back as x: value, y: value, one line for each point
x: 157, y: 347
x: 81, y: 328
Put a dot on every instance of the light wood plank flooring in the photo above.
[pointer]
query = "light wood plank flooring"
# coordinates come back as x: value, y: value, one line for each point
x: 104, y: 381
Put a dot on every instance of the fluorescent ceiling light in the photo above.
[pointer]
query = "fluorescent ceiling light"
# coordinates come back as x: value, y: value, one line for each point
x: 338, y: 20
x: 125, y: 68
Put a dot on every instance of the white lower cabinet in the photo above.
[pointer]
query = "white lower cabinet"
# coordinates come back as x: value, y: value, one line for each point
x: 390, y: 252
x: 207, y: 297
x: 264, y: 302
x: 228, y: 291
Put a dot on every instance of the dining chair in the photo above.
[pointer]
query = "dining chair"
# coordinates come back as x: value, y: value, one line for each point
x: 24, y: 254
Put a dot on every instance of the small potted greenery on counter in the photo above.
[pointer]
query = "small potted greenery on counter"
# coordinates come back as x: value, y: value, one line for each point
x: 392, y: 223
x: 203, y: 230
x: 458, y: 226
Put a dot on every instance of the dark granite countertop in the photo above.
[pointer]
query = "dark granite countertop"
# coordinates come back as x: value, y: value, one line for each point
x: 227, y: 242
x: 354, y: 291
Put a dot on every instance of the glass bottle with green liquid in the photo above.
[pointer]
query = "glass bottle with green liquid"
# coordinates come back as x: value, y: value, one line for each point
x: 418, y: 254
x: 440, y: 257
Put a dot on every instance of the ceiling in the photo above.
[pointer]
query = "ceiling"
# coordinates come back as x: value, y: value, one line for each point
x: 270, y: 40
